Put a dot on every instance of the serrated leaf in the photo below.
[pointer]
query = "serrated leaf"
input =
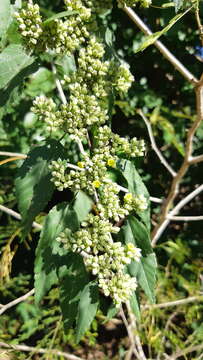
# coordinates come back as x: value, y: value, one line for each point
x: 5, y: 15
x: 87, y: 309
x: 135, y: 186
x: 145, y: 272
x: 50, y: 257
x: 59, y: 16
x: 13, y: 59
x: 74, y: 279
x: 136, y: 232
x: 82, y: 205
x: 33, y: 184
x: 150, y: 40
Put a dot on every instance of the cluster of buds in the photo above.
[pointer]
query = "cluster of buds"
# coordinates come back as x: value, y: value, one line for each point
x: 87, y: 175
x: 143, y: 3
x: 89, y: 88
x: 119, y: 287
x: 109, y: 205
x: 137, y: 203
x: 30, y: 23
x: 64, y: 37
x: 61, y: 36
x: 104, y: 257
x: 113, y: 144
x: 100, y: 7
x: 123, y: 79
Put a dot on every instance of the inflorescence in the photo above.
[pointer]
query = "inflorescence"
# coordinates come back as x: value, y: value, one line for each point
x: 84, y: 119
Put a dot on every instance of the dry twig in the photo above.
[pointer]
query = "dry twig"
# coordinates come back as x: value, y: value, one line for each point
x: 39, y: 351
x: 16, y: 301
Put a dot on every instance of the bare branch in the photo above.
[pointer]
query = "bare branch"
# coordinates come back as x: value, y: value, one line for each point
x: 18, y: 216
x: 155, y: 200
x: 177, y: 208
x: 186, y: 351
x: 16, y: 301
x: 136, y: 334
x: 186, y: 200
x: 154, y: 145
x: 131, y: 337
x: 162, y: 48
x: 39, y: 351
x: 174, y: 190
x: 8, y: 153
x: 199, y: 24
x: 196, y: 159
x: 188, y: 300
x: 185, y: 218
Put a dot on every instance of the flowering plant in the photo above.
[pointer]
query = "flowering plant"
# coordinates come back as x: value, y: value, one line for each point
x: 97, y: 244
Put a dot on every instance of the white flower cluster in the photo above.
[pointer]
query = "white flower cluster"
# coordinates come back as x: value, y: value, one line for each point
x: 89, y: 88
x: 88, y: 176
x: 123, y: 78
x: 137, y: 203
x: 109, y: 205
x: 30, y: 23
x: 61, y: 36
x: 45, y: 108
x: 104, y: 257
x: 64, y: 37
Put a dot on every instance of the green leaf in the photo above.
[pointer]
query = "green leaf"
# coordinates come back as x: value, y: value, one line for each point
x: 74, y: 279
x: 87, y: 309
x: 82, y: 205
x: 5, y: 15
x: 136, y: 232
x: 13, y: 59
x: 149, y: 40
x: 134, y: 304
x: 135, y: 186
x: 50, y: 257
x: 40, y: 82
x: 145, y: 271
x: 60, y: 15
x: 33, y: 184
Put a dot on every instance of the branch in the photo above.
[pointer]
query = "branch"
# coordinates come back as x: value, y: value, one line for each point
x: 130, y: 335
x: 162, y: 226
x: 12, y: 159
x: 18, y: 216
x: 162, y: 48
x: 7, y: 153
x: 39, y: 351
x: 188, y: 300
x: 196, y: 159
x: 16, y: 301
x: 185, y: 218
x: 186, y: 351
x: 154, y: 145
x: 136, y: 335
x: 174, y: 190
x: 199, y: 24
